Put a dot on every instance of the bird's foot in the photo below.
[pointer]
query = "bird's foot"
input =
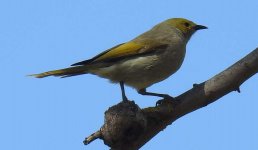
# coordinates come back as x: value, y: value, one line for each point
x: 167, y: 100
x: 125, y: 99
x: 168, y: 97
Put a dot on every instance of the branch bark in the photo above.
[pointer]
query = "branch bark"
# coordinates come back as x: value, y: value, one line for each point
x: 127, y: 127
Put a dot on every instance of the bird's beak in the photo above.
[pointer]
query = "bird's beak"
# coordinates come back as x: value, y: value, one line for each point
x: 200, y: 27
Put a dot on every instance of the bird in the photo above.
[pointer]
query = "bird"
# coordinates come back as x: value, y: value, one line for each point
x: 141, y: 62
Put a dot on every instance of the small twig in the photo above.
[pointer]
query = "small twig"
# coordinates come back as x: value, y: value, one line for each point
x: 92, y: 137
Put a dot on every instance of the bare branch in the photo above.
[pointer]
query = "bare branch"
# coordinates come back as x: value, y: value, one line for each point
x: 92, y: 137
x: 128, y: 128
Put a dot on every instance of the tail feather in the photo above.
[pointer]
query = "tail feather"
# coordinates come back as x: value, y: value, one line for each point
x: 66, y: 72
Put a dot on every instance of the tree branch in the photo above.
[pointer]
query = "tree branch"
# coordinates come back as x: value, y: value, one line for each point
x: 127, y: 127
x: 92, y: 137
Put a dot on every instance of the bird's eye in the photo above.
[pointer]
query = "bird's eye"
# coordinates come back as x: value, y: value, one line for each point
x: 186, y: 24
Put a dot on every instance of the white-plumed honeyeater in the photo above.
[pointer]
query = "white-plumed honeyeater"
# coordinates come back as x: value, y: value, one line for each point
x: 149, y: 58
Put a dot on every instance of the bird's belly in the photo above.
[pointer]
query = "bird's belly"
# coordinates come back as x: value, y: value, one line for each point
x: 142, y: 72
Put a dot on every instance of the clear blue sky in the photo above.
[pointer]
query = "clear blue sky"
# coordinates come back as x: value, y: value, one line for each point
x: 56, y: 114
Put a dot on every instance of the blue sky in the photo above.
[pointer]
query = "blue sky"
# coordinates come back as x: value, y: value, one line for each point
x: 52, y: 113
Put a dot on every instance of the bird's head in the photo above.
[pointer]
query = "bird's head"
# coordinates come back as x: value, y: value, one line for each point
x: 187, y: 27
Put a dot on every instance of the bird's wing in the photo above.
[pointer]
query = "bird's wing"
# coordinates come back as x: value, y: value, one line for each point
x: 125, y: 50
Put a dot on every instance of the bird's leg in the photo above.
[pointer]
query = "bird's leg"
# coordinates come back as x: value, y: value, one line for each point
x: 144, y: 92
x: 123, y: 91
x: 167, y: 98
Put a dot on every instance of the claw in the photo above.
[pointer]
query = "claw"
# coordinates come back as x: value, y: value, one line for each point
x: 238, y: 90
x: 167, y: 100
x: 159, y: 102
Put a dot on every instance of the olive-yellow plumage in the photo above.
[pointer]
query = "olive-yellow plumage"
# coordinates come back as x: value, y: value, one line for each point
x: 149, y: 58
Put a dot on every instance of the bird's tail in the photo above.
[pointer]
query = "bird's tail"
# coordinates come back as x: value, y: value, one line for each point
x: 66, y: 72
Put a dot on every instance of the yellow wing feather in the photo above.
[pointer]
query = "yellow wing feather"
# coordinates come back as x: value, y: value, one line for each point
x: 122, y: 51
x: 126, y: 49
